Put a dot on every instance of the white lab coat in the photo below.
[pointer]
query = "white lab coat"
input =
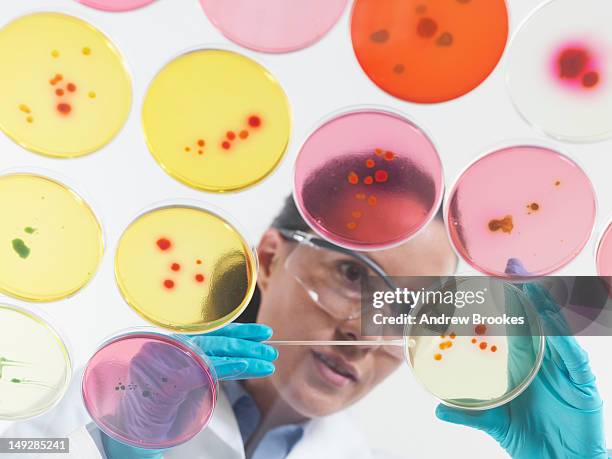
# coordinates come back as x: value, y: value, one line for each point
x: 332, y: 437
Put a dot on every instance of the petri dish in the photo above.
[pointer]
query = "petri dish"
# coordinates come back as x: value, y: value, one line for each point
x: 51, y: 241
x: 216, y: 120
x: 604, y: 253
x: 429, y: 51
x: 149, y: 390
x: 274, y: 26
x: 185, y: 269
x: 368, y: 179
x: 116, y: 5
x: 559, y: 70
x: 477, y: 366
x: 35, y: 366
x: 525, y: 202
x: 65, y: 88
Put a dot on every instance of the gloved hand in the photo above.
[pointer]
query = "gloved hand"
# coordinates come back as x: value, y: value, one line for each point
x: 235, y: 352
x: 559, y: 416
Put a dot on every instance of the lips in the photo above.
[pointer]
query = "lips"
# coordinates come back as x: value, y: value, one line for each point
x: 335, y: 369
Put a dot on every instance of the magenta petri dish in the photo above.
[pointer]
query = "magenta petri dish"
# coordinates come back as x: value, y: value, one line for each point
x: 115, y: 5
x: 149, y: 390
x: 274, y: 26
x: 604, y: 253
x: 368, y: 179
x: 525, y: 202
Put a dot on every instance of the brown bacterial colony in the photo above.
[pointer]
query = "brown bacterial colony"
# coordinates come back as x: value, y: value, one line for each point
x: 379, y: 175
x: 533, y: 207
x: 253, y: 123
x: 505, y: 224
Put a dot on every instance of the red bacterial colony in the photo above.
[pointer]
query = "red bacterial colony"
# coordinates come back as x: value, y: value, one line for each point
x: 380, y: 176
x: 164, y: 244
x: 481, y: 330
x: 253, y: 122
x: 575, y: 65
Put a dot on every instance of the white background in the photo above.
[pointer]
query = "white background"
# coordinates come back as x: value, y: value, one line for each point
x: 123, y: 178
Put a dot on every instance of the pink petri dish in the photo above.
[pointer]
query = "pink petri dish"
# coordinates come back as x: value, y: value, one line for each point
x: 525, y: 202
x: 116, y: 5
x: 604, y: 253
x: 149, y: 390
x: 368, y: 179
x: 274, y: 26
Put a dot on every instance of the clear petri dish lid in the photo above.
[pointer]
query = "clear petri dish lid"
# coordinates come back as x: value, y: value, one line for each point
x: 216, y: 120
x: 477, y: 365
x: 54, y: 242
x: 185, y: 266
x: 603, y: 256
x: 525, y: 201
x: 368, y: 178
x: 34, y: 372
x: 428, y: 52
x: 274, y: 26
x: 149, y: 389
x: 115, y: 5
x: 559, y: 70
x: 67, y: 92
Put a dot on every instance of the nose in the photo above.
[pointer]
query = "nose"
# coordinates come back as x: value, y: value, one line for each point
x: 350, y: 330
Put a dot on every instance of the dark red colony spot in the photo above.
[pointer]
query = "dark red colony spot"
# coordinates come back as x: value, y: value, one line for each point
x: 199, y: 278
x: 254, y: 121
x: 169, y: 283
x: 64, y: 108
x: 175, y: 267
x: 427, y: 28
x: 163, y: 243
x: 590, y: 79
x: 71, y: 87
x: 380, y: 36
x: 480, y: 329
x: 231, y: 135
x: 572, y: 62
x: 226, y: 145
x: 59, y: 92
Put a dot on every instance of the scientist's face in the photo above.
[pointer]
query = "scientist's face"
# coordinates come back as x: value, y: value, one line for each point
x: 317, y: 381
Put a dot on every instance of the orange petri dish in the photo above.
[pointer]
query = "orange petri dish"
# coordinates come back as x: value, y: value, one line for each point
x: 429, y: 51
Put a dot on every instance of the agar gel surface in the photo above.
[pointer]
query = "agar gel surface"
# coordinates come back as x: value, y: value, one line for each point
x: 185, y: 269
x: 559, y: 70
x: 132, y: 383
x: 216, y: 120
x: 34, y: 365
x: 50, y: 240
x: 429, y: 51
x: 64, y: 89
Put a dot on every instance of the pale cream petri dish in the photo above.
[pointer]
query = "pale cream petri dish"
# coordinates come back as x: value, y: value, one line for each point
x: 185, y: 268
x: 482, y: 366
x: 35, y: 364
x: 51, y: 242
x: 64, y: 86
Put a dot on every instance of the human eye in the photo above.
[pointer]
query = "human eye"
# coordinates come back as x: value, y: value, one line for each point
x: 350, y: 273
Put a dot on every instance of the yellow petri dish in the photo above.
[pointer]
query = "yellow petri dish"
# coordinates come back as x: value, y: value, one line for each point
x: 216, y: 120
x: 35, y: 367
x: 51, y: 242
x: 64, y: 88
x: 185, y: 269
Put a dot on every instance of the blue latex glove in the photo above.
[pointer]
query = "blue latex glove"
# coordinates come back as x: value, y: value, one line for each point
x: 235, y: 352
x: 559, y: 416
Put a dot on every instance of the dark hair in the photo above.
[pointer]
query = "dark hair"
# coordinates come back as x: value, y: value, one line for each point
x: 289, y: 218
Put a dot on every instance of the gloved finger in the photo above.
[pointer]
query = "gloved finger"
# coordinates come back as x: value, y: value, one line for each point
x: 117, y: 450
x: 574, y: 358
x: 494, y: 422
x: 251, y: 332
x: 254, y: 368
x: 228, y: 368
x: 553, y: 320
x: 222, y: 346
